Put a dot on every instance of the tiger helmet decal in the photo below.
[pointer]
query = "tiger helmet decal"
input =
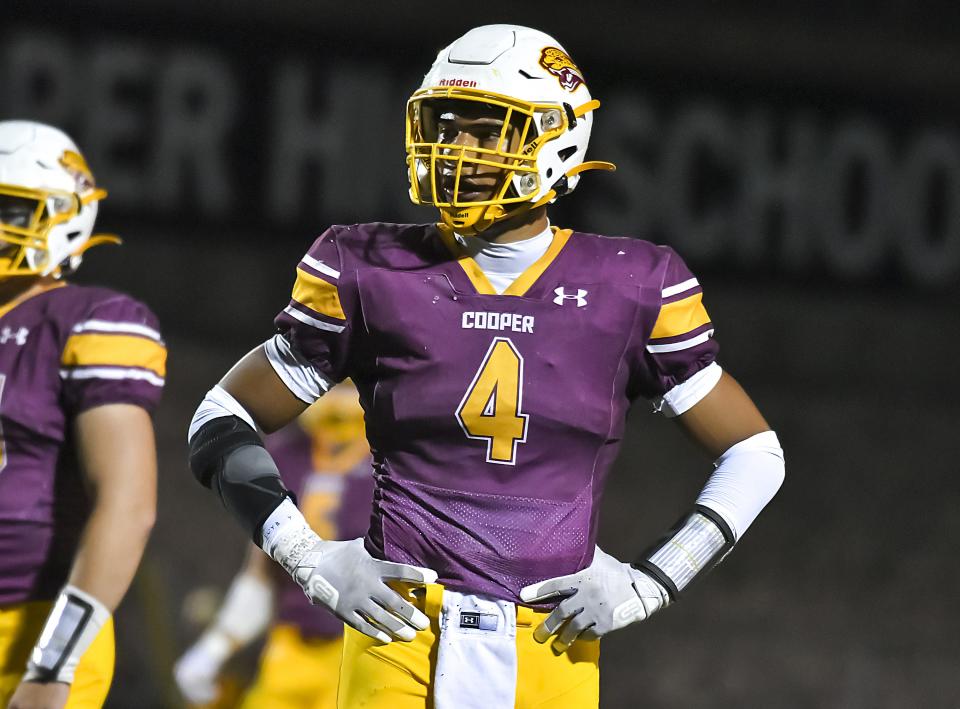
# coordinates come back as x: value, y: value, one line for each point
x: 559, y: 63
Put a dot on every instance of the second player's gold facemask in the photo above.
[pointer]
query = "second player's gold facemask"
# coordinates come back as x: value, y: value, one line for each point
x: 40, y: 228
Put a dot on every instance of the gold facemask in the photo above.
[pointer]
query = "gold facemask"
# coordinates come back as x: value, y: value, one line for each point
x: 27, y: 216
x: 428, y: 158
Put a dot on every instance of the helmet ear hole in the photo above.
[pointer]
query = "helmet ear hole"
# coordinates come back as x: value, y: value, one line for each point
x: 566, y: 153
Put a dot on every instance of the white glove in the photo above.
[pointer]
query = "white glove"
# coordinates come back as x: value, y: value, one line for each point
x: 197, y: 669
x: 344, y: 577
x: 605, y: 596
x: 246, y: 612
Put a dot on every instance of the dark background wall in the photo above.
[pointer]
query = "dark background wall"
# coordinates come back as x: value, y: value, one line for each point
x: 805, y: 159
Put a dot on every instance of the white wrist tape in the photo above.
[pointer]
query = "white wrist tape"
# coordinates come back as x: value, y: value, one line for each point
x: 216, y: 404
x: 247, y: 609
x: 747, y: 477
x: 73, y: 623
x: 286, y: 536
x: 696, y: 544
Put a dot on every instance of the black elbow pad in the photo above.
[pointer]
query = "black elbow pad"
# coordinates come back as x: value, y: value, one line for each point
x: 227, y: 456
x: 215, y: 440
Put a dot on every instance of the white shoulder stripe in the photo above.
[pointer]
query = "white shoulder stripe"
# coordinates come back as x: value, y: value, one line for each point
x: 300, y: 377
x: 680, y: 287
x: 312, y: 322
x: 682, y: 345
x: 320, y: 266
x: 685, y: 395
x: 129, y: 328
x: 111, y: 373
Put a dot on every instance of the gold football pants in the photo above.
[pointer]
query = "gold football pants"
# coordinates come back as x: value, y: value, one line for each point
x: 399, y: 675
x: 20, y: 626
x: 296, y: 672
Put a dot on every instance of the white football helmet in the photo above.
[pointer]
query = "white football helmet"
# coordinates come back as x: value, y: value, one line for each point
x: 527, y: 79
x: 48, y: 201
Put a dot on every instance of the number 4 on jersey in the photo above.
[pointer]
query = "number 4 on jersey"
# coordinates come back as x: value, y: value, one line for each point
x: 490, y: 409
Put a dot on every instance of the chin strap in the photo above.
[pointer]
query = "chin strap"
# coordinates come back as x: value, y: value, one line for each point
x: 491, y: 215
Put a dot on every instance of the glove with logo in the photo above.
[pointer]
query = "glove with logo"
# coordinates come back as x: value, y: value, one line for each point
x: 605, y: 596
x: 344, y: 577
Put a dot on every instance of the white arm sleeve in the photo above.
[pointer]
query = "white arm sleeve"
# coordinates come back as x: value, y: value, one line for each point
x: 218, y: 403
x: 746, y: 478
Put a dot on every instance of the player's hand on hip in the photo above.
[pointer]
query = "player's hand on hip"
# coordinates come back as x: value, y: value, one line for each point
x: 344, y: 577
x: 605, y: 596
x: 37, y: 695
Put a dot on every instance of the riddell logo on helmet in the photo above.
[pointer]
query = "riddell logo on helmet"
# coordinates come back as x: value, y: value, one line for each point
x: 558, y: 63
x: 464, y: 83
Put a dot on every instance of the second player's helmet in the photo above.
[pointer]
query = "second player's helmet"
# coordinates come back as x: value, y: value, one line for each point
x: 528, y: 80
x: 336, y: 417
x: 48, y: 201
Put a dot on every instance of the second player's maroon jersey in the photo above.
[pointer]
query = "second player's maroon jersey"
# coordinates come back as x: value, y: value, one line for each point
x: 494, y: 418
x: 336, y: 503
x: 62, y: 351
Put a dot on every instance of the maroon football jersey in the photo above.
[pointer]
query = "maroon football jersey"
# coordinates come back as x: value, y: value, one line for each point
x: 494, y: 418
x: 63, y: 351
x: 336, y: 504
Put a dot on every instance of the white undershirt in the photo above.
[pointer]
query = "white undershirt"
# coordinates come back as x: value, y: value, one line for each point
x: 502, y: 264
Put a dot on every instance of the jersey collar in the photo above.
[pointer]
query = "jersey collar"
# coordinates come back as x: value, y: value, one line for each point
x: 23, y: 297
x: 524, y: 281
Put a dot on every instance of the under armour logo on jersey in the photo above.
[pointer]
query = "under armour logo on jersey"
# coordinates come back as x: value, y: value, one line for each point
x: 19, y: 335
x: 562, y: 295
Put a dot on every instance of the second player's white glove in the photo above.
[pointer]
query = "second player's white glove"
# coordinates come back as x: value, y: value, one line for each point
x: 246, y: 612
x: 605, y: 596
x: 344, y: 577
x: 197, y: 670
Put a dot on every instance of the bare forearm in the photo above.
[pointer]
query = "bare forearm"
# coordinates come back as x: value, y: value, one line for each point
x: 110, y: 550
x: 118, y: 452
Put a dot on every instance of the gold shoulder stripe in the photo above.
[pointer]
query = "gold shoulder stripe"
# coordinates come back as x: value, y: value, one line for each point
x: 115, y: 351
x: 318, y: 295
x: 680, y: 317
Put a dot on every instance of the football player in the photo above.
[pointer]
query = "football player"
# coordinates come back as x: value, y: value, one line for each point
x: 81, y: 368
x: 496, y: 357
x: 325, y: 458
